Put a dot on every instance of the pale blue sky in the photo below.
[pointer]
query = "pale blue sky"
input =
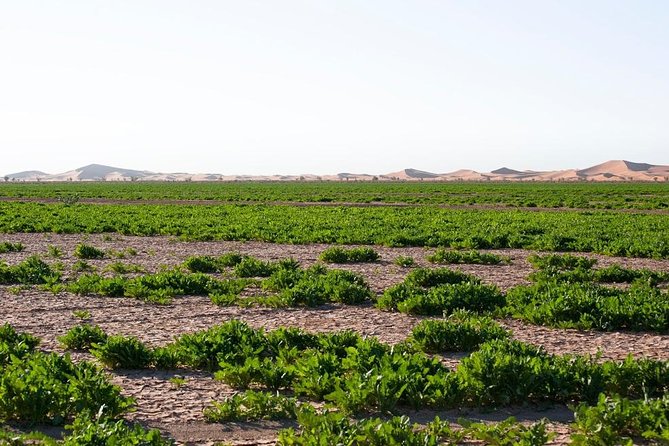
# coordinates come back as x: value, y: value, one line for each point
x: 323, y: 87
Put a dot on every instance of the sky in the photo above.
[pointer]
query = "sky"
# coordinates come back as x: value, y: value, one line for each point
x: 297, y: 86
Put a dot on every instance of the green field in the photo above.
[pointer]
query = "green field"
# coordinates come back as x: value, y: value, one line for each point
x: 644, y: 196
x: 620, y: 234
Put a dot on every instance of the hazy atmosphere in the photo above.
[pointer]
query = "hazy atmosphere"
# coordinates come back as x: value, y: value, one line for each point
x: 323, y: 87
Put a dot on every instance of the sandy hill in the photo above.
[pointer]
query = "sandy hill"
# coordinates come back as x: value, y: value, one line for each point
x: 615, y: 170
x: 412, y: 174
x: 622, y: 170
x: 28, y: 175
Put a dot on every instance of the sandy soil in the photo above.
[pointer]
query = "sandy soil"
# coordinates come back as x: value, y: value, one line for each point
x: 177, y: 410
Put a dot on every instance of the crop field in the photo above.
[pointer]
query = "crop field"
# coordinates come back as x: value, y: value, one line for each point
x: 194, y: 320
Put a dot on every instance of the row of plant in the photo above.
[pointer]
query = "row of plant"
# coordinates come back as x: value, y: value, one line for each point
x: 363, y: 375
x: 622, y: 234
x: 440, y: 291
x: 553, y: 195
x: 571, y: 268
x: 358, y: 376
x: 46, y: 388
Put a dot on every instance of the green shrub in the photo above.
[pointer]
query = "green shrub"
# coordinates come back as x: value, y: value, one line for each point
x: 86, y: 431
x: 11, y: 247
x: 81, y: 337
x: 84, y: 251
x: 430, y: 277
x: 443, y: 256
x: 616, y: 420
x: 31, y: 271
x: 252, y: 267
x: 404, y: 261
x: 317, y: 285
x: 584, y: 305
x: 337, y: 254
x: 15, y: 344
x: 561, y: 261
x: 202, y: 264
x: 48, y: 388
x: 252, y: 406
x: 121, y: 352
x: 459, y: 332
x: 336, y: 428
x: 125, y: 268
x: 445, y: 299
x: 55, y: 251
x: 508, y: 432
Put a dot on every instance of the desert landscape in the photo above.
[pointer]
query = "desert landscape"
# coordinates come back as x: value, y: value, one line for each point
x: 615, y: 170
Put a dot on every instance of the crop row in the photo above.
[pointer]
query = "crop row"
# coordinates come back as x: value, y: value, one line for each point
x: 554, y: 300
x: 360, y: 376
x: 584, y: 196
x: 38, y: 387
x: 632, y: 235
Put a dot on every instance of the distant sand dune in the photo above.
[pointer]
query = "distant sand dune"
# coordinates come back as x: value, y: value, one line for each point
x: 615, y: 170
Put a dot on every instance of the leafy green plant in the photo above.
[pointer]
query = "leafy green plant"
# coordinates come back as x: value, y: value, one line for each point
x: 252, y: 267
x: 82, y: 314
x: 252, y: 406
x: 337, y: 254
x: 81, y: 266
x: 81, y: 337
x: 122, y: 352
x: 508, y: 432
x: 55, y: 251
x: 335, y: 428
x: 88, y: 431
x: 404, y: 261
x: 48, y: 388
x: 125, y: 268
x: 84, y: 251
x: 11, y: 247
x: 31, y: 271
x: 444, y: 256
x: 461, y: 331
x: 616, y: 420
x: 585, y: 305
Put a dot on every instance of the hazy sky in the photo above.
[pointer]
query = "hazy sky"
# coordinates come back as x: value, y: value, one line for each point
x: 288, y: 86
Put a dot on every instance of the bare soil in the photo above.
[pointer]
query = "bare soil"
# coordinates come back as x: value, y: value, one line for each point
x: 177, y: 409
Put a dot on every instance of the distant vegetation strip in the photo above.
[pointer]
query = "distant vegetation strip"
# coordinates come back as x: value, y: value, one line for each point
x: 640, y: 196
x: 633, y: 235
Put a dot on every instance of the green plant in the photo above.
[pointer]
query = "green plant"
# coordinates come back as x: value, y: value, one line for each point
x: 84, y: 251
x: 336, y: 254
x: 442, y: 255
x: 31, y: 271
x: 124, y: 268
x: 81, y: 337
x: 404, y: 261
x: 252, y: 406
x: 122, y: 352
x: 461, y: 331
x: 585, y: 305
x: 82, y: 314
x: 55, y: 251
x: 616, y: 420
x: 11, y: 247
x: 508, y: 432
x: 252, y: 267
x: 89, y: 431
x: 178, y: 381
x: 48, y: 388
x: 81, y: 266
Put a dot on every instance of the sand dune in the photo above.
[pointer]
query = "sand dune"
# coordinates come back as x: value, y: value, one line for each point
x: 615, y: 170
